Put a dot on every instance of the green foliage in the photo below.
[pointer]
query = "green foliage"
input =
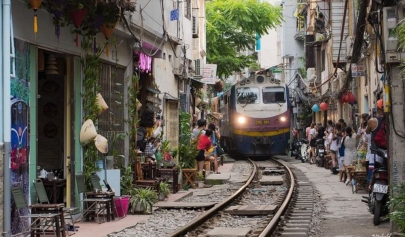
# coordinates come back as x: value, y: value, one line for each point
x: 397, y: 207
x: 400, y: 30
x: 187, y: 149
x: 126, y: 181
x: 164, y: 188
x: 133, y: 119
x: 144, y: 198
x: 232, y: 26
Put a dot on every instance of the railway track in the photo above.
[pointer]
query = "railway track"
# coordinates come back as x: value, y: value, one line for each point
x: 291, y: 209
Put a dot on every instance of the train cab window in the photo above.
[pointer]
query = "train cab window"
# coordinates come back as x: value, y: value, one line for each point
x: 247, y: 95
x: 273, y: 95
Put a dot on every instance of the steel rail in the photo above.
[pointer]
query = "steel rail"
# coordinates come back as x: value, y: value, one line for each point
x: 218, y: 207
x: 276, y: 218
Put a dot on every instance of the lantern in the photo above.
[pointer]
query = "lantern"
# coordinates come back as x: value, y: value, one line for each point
x: 344, y: 98
x: 350, y: 98
x: 77, y: 17
x: 35, y: 4
x: 315, y: 108
x: 107, y: 29
x: 323, y: 106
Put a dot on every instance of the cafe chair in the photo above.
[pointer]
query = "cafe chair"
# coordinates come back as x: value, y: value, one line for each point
x: 92, y: 206
x: 69, y: 211
x: 44, y: 222
x: 95, y: 182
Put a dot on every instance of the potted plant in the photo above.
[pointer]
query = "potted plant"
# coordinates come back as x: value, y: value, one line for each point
x: 200, y: 180
x: 142, y: 200
x: 164, y: 191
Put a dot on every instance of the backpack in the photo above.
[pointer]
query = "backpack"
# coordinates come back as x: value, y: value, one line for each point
x: 141, y: 140
x: 380, y: 137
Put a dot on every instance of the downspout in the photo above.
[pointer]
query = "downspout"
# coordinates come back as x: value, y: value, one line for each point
x: 1, y: 104
x: 6, y: 117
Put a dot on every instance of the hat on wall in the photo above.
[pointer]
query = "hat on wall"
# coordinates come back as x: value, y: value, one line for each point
x: 101, y: 144
x: 88, y: 131
x: 380, y: 104
x: 102, y: 105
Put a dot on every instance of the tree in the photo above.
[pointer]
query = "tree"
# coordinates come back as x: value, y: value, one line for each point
x: 232, y: 27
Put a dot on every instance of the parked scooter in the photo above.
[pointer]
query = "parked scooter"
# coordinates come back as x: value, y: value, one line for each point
x: 304, y: 148
x: 320, y: 152
x: 379, y: 193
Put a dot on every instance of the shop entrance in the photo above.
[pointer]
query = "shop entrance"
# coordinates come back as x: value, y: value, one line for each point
x: 53, y: 128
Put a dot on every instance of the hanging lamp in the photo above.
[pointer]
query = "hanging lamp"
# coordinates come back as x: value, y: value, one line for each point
x: 35, y: 4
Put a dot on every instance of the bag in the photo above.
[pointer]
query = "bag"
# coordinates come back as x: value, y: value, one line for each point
x: 380, y: 138
x: 220, y: 151
x: 342, y: 148
x: 141, y: 140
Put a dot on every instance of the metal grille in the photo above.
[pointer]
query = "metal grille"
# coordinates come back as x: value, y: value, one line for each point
x: 172, y: 117
x: 111, y: 122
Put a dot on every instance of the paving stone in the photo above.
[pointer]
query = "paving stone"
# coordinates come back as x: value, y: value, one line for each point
x: 271, y: 180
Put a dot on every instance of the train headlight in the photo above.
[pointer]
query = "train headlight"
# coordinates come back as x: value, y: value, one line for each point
x: 283, y: 119
x: 241, y: 120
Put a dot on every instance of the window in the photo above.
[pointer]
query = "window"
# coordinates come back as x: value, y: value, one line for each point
x: 247, y: 95
x: 273, y: 95
x: 197, y: 67
x: 111, y: 122
x: 187, y: 9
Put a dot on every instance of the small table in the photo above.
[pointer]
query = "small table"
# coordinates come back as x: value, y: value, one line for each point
x: 190, y: 174
x: 51, y: 208
x: 110, y: 205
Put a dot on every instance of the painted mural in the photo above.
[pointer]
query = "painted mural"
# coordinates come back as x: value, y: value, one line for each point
x: 19, y: 129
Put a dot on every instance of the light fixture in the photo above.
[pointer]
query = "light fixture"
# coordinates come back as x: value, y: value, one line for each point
x: 51, y: 63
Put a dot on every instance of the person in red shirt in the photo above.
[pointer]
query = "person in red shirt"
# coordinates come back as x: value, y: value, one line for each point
x: 203, y: 145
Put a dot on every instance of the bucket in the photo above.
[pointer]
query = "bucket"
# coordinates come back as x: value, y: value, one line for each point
x: 109, y: 162
x: 121, y: 205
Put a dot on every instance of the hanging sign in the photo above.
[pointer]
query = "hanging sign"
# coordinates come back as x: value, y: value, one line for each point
x: 209, y: 74
x: 358, y: 70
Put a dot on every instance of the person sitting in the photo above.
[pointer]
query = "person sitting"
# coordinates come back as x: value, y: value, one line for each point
x: 150, y: 150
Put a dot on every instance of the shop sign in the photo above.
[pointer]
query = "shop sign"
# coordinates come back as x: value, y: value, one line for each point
x: 358, y: 70
x: 209, y: 74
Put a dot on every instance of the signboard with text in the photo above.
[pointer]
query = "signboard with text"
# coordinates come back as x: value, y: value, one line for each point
x: 358, y: 70
x: 209, y: 74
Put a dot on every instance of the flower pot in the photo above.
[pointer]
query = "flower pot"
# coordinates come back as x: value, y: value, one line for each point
x: 162, y: 196
x: 139, y: 208
x: 200, y: 184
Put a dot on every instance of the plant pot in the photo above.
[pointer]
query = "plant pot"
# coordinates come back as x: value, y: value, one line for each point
x: 139, y: 208
x: 200, y: 184
x: 162, y: 196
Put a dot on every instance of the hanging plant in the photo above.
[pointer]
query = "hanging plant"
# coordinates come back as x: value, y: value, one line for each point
x: 110, y: 14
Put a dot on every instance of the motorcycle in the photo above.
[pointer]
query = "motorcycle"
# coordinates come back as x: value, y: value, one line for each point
x: 320, y: 152
x: 304, y: 149
x: 379, y: 193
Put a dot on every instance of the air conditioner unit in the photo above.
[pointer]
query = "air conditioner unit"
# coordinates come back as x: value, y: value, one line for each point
x: 195, y: 23
x: 260, y: 78
x: 349, y: 46
x: 178, y: 71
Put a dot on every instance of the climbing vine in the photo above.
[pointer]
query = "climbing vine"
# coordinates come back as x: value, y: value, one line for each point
x: 401, y: 38
x: 133, y: 114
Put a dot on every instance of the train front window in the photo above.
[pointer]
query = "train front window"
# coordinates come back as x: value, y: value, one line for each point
x: 247, y: 95
x: 273, y: 95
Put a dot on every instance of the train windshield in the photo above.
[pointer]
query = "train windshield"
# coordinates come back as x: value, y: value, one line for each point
x: 273, y: 95
x: 247, y: 95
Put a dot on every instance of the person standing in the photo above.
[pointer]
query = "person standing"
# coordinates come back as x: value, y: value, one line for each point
x: 202, y: 124
x: 312, y: 142
x: 203, y: 145
x: 349, y: 143
x: 215, y: 138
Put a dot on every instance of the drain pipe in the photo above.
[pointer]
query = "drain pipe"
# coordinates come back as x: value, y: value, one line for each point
x: 6, y: 117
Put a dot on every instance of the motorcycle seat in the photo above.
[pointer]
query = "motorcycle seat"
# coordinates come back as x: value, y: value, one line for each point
x: 304, y: 141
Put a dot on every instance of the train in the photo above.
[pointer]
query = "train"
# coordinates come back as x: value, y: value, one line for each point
x: 255, y: 116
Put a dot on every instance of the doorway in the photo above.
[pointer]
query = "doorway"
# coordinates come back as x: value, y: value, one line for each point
x: 51, y: 121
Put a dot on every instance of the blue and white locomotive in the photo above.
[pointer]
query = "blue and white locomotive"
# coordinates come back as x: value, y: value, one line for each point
x: 256, y: 116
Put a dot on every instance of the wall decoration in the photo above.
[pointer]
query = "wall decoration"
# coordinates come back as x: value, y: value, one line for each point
x: 50, y: 130
x: 50, y: 88
x: 50, y: 110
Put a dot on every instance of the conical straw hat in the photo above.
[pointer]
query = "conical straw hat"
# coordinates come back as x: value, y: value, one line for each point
x: 102, y: 105
x: 197, y: 111
x: 88, y: 131
x: 101, y: 144
x: 138, y: 104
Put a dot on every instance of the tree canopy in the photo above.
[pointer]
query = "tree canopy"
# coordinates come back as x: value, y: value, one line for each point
x: 232, y: 26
